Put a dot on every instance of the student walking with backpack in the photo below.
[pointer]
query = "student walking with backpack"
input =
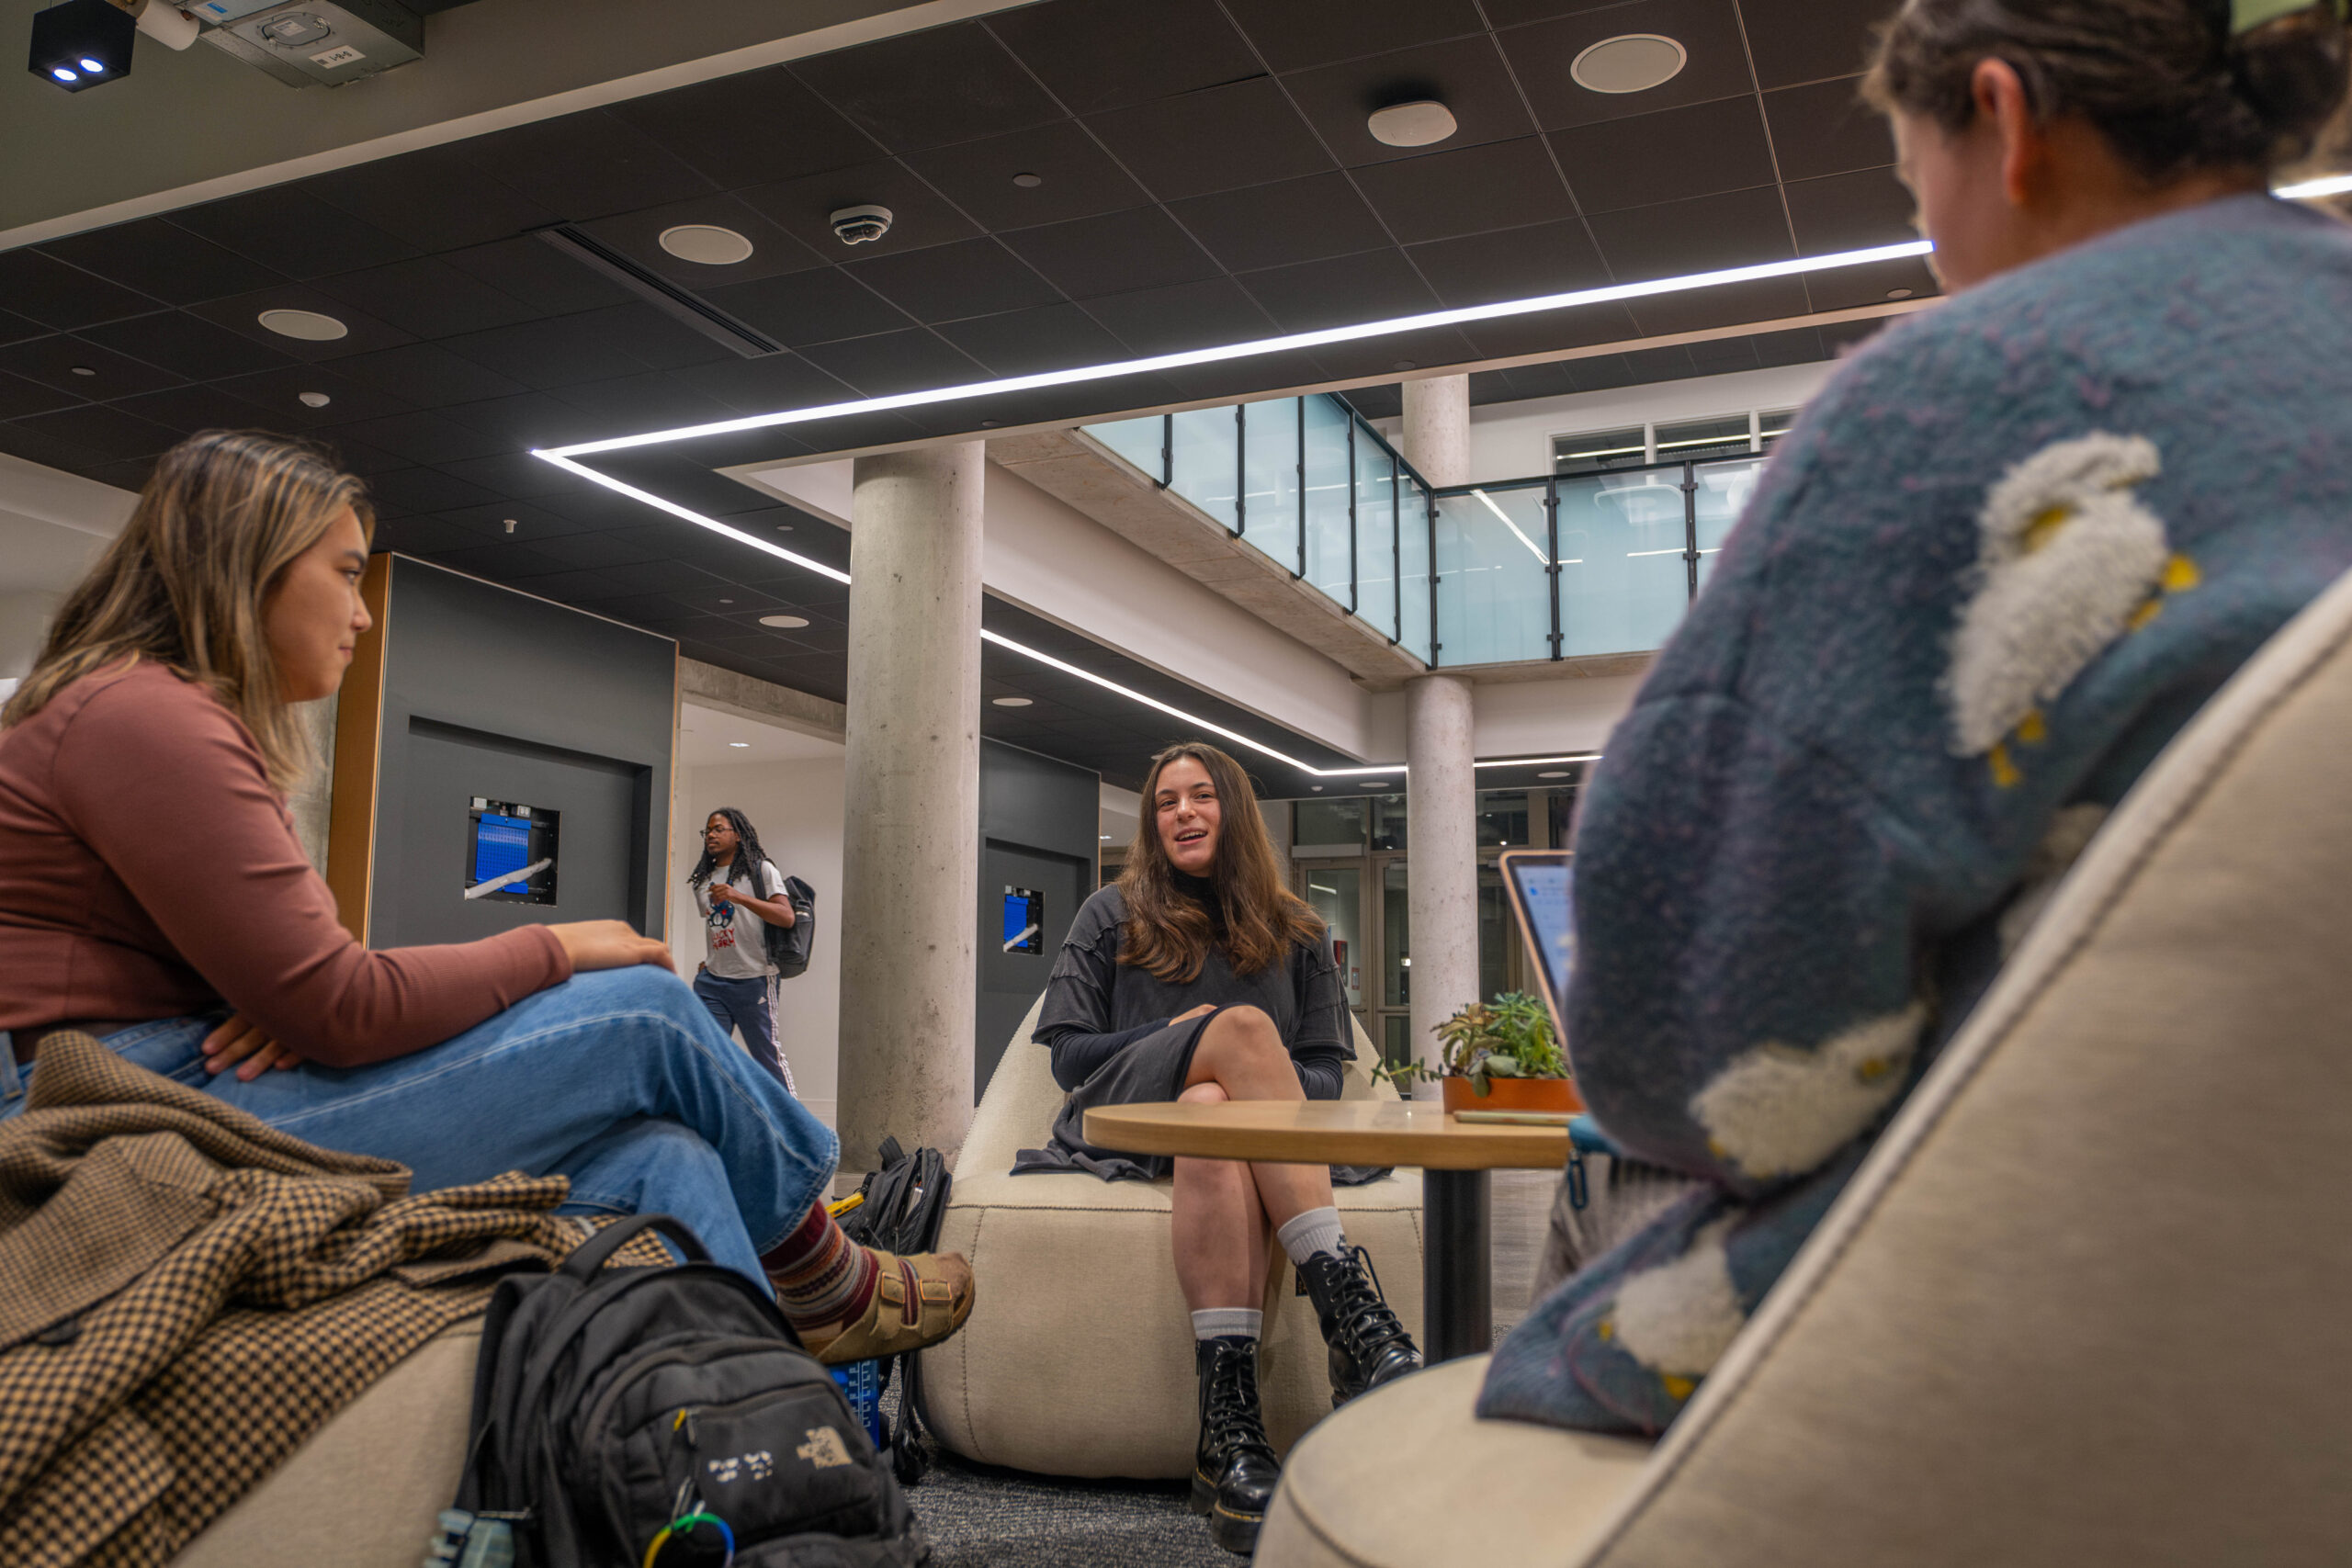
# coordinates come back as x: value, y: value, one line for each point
x: 742, y: 895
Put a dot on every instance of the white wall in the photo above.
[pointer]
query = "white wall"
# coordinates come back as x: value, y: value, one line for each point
x: 796, y: 807
x: 52, y: 526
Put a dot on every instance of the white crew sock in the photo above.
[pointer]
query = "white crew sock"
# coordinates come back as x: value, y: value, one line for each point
x: 1217, y: 1323
x: 1316, y: 1230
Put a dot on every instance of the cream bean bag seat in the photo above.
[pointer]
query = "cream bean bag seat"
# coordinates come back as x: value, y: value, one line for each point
x: 1078, y: 1356
x: 2085, y: 1304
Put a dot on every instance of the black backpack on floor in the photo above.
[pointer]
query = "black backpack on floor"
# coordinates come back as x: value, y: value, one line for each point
x: 905, y: 1202
x: 612, y: 1404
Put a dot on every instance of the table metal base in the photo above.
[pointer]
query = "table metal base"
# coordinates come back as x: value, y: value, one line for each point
x: 1457, y: 1293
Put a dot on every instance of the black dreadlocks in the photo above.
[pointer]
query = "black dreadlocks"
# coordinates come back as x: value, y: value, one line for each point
x: 748, y: 851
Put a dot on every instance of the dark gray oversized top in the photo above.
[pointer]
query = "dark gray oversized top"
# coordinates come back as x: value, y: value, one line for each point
x: 1094, y: 1005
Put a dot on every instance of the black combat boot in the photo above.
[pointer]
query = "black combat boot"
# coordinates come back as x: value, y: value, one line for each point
x: 1234, y: 1470
x: 1369, y: 1347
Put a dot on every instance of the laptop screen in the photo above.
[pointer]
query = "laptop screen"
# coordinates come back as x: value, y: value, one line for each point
x: 1539, y: 881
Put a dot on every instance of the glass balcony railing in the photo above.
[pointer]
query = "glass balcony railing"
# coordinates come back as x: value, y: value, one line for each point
x: 1549, y: 568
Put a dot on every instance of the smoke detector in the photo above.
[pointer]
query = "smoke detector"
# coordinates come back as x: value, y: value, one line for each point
x: 860, y: 225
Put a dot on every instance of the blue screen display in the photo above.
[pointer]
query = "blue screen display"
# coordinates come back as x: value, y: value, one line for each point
x: 1550, y: 918
x: 501, y: 844
x: 1024, y: 921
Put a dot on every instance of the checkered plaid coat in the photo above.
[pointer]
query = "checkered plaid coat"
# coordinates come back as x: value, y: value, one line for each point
x: 186, y: 1294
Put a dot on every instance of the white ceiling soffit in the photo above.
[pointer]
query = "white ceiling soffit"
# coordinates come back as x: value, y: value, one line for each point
x: 197, y: 124
x: 708, y: 738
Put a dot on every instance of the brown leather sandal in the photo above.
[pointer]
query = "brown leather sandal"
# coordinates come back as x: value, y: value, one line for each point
x: 919, y: 1301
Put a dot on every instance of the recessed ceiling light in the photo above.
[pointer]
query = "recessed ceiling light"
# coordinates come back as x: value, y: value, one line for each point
x: 83, y: 370
x: 1106, y: 837
x: 1898, y: 294
x: 705, y: 244
x: 1028, y: 182
x: 742, y: 743
x: 784, y: 623
x: 1423, y: 123
x: 313, y: 399
x: 1013, y: 702
x: 1374, y: 784
x: 1316, y: 788
x: 1557, y: 776
x: 1631, y: 62
x: 1406, y: 365
x: 308, y: 325
x: 727, y: 600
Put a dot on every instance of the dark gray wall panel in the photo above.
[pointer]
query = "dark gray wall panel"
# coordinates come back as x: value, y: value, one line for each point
x: 1038, y: 830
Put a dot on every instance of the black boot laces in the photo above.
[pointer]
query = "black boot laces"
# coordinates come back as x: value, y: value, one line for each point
x: 1230, y: 1415
x: 1360, y: 1307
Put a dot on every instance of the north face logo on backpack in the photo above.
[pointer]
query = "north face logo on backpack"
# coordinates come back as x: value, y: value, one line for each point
x: 824, y: 1449
x: 757, y: 1465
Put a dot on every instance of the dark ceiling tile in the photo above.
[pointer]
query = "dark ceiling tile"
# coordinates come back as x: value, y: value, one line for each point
x: 158, y: 257
x: 749, y: 129
x: 1674, y: 238
x: 637, y: 235
x: 925, y: 89
x: 843, y: 432
x: 19, y: 396
x: 516, y: 475
x: 186, y: 345
x: 1501, y: 184
x: 1541, y: 56
x: 51, y: 361
x: 1467, y: 74
x: 1797, y: 346
x: 945, y: 283
x: 1549, y: 331
x: 897, y: 362
x: 1077, y: 179
x: 132, y: 474
x: 557, y: 352
x: 1295, y: 33
x: 527, y: 418
x: 1022, y: 343
x: 530, y: 269
x: 1724, y: 305
x: 1393, y: 353
x: 594, y: 552
x: 241, y: 313
x: 1341, y: 291
x: 107, y: 434
x: 1189, y: 315
x: 1086, y: 50
x: 1697, y: 150
x: 1515, y: 13
x: 1806, y: 40
x: 653, y: 338
x: 1723, y: 355
x: 15, y: 328
x: 499, y: 562
x: 426, y: 490
x: 290, y: 229
x: 631, y: 405
x: 436, y: 199
x: 422, y: 537
x: 1274, y: 225
x: 765, y: 385
x: 427, y: 376
x: 63, y: 297
x: 1244, y: 133
x: 1844, y: 287
x: 278, y: 394
x: 429, y: 439
x: 1839, y: 339
x: 19, y: 438
x: 1826, y: 129
x: 1514, y: 264
x: 428, y: 298
x: 1115, y: 253
x: 533, y: 525
x: 809, y: 307
x: 1850, y: 212
x: 584, y: 165
x: 356, y: 456
x: 802, y: 208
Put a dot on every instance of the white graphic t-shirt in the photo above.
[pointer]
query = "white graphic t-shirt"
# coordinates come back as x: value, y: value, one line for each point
x: 736, y: 935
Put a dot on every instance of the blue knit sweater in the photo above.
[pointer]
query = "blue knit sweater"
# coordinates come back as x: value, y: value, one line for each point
x: 2006, y: 554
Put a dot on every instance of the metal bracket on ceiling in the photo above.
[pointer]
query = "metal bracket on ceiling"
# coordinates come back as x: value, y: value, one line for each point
x: 681, y: 304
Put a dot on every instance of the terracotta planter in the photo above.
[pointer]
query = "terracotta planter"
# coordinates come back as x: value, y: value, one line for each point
x: 1512, y: 1094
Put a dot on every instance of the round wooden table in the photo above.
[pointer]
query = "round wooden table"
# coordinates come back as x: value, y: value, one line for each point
x: 1453, y: 1159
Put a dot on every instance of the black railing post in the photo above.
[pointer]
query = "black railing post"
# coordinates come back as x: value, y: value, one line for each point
x: 1240, y: 469
x: 1167, y: 450
x: 1690, y: 525
x: 1355, y: 603
x: 1434, y: 643
x: 1302, y: 485
x: 1397, y: 546
x: 1551, y: 561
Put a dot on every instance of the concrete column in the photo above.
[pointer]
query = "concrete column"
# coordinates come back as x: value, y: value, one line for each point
x: 1442, y: 856
x: 911, y: 838
x: 1437, y: 428
x: 1441, y: 793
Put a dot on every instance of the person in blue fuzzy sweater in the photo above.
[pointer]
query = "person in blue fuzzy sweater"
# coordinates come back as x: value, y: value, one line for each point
x: 2002, y: 558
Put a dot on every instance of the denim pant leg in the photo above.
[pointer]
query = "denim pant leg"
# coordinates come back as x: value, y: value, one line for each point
x: 533, y: 1086
x: 649, y: 1165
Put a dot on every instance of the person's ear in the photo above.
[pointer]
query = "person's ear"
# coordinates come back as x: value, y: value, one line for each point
x: 2004, y: 109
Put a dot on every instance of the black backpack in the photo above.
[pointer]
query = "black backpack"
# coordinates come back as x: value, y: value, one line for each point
x: 611, y: 1404
x: 788, y: 950
x: 904, y: 1204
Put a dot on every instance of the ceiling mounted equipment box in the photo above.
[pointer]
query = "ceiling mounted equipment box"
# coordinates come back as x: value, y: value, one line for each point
x: 314, y: 43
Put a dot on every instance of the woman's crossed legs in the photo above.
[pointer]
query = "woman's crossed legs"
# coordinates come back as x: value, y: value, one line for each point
x: 1225, y: 1210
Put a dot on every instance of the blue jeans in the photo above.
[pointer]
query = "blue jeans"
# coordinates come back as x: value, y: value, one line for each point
x: 618, y: 1079
x: 750, y: 1006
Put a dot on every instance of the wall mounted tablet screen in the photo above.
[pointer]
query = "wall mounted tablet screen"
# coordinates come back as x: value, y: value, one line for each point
x: 1024, y: 921
x: 1539, y: 882
x: 512, y: 852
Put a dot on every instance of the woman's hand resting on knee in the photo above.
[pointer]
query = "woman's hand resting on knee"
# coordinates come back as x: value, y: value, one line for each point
x: 608, y: 944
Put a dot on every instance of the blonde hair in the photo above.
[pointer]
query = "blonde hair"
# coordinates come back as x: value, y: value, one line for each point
x: 186, y: 584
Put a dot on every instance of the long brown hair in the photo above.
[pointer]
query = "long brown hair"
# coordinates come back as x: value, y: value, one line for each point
x: 223, y: 515
x: 1169, y: 934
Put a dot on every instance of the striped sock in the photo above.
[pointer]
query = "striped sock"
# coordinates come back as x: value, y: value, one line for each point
x: 823, y: 1280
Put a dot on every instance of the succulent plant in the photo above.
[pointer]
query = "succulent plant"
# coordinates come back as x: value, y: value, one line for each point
x: 1510, y: 1037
